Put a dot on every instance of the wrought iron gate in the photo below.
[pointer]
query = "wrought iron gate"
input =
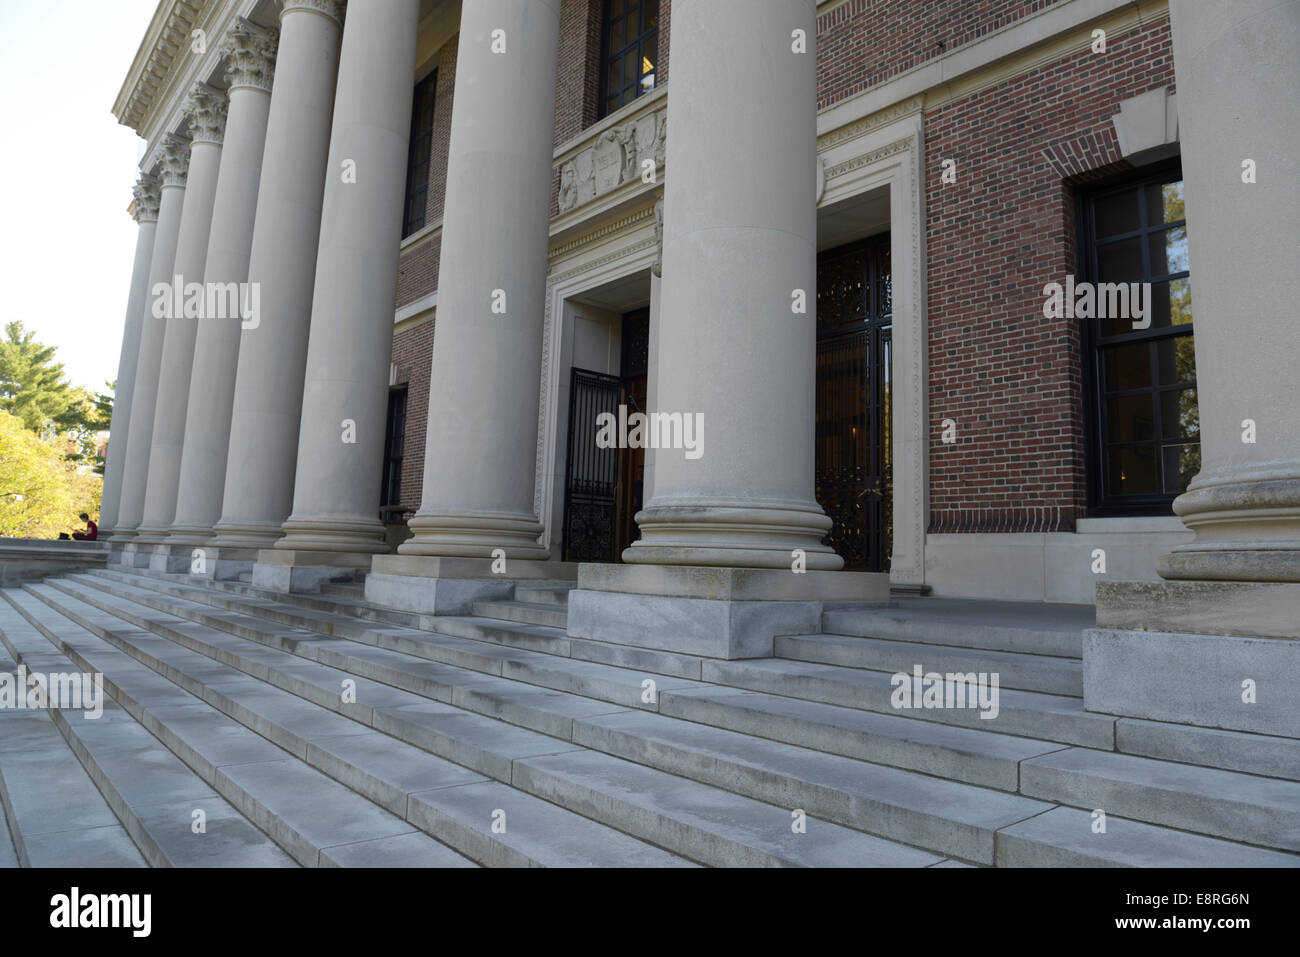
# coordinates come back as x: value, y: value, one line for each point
x: 854, y: 466
x: 591, y: 475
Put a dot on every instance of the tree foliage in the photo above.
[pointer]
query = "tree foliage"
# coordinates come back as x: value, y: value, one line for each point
x: 42, y: 491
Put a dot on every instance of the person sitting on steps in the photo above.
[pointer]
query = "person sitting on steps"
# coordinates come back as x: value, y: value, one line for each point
x: 90, y: 534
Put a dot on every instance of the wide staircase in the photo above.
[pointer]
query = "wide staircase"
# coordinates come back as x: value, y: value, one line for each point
x: 249, y: 728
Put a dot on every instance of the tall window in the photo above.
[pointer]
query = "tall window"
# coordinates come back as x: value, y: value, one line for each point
x: 1143, y: 420
x: 417, y: 160
x: 390, y: 497
x: 629, y: 53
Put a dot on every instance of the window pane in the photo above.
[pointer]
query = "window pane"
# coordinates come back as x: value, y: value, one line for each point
x: 1120, y: 262
x: 631, y: 69
x: 1176, y: 360
x: 651, y: 15
x: 1181, y: 463
x: 1131, y: 418
x: 615, y: 35
x: 1117, y: 214
x: 1179, y: 415
x: 1133, y: 471
x: 1126, y: 367
x: 1171, y: 303
x: 1165, y: 203
x: 1168, y: 251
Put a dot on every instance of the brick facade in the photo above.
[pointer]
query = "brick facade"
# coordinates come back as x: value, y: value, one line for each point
x: 1010, y: 379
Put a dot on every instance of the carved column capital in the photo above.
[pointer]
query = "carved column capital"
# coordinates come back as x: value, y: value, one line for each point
x: 205, y: 108
x: 175, y: 160
x: 250, y: 55
x: 334, y: 9
x: 147, y: 193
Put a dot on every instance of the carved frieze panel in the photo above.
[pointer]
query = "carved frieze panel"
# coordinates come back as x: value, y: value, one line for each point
x: 617, y: 156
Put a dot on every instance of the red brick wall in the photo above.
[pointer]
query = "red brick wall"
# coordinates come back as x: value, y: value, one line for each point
x: 865, y: 42
x: 413, y: 355
x: 1009, y: 378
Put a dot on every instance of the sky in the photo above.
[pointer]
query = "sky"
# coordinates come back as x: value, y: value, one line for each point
x: 66, y: 172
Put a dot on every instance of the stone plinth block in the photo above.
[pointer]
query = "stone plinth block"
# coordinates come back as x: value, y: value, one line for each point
x: 1241, y: 609
x: 1212, y: 681
x: 220, y: 563
x: 294, y: 570
x: 450, y: 586
x: 709, y: 611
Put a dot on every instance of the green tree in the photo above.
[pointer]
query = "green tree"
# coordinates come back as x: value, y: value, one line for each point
x: 35, y: 493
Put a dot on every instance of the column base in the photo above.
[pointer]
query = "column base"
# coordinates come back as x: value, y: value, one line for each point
x: 212, y: 563
x: 192, y: 535
x: 709, y: 611
x: 171, y: 558
x: 359, y: 537
x: 474, y: 535
x: 1184, y: 652
x: 450, y: 586
x: 1247, y: 525
x: 293, y: 570
x: 254, y: 535
x: 734, y: 537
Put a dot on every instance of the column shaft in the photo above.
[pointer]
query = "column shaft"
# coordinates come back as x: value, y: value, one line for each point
x: 258, y: 488
x: 146, y: 214
x: 206, y: 110
x: 735, y: 353
x: 144, y: 392
x: 216, y: 351
x: 479, y: 466
x: 344, y: 403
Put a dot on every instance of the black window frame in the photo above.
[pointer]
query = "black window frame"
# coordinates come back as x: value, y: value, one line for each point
x: 636, y: 45
x: 419, y: 155
x: 1101, y: 502
x: 390, y: 489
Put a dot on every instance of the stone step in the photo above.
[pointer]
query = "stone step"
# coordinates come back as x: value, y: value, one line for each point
x: 8, y: 856
x: 1025, y: 713
x: 724, y: 848
x: 1228, y: 804
x: 1067, y: 837
x: 976, y: 755
x: 316, y: 820
x: 948, y: 818
x: 549, y: 640
x: 545, y: 592
x: 958, y: 754
x: 353, y: 591
x: 1022, y: 672
x: 1211, y: 747
x: 1029, y: 627
x: 151, y: 792
x: 523, y: 612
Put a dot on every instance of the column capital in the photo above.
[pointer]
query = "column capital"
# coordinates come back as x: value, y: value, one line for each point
x: 147, y: 192
x: 334, y: 9
x: 250, y: 53
x: 175, y: 160
x: 205, y: 108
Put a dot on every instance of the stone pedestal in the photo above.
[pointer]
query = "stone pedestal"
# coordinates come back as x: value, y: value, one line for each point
x: 296, y: 570
x: 450, y: 586
x: 1216, y: 645
x: 708, y: 611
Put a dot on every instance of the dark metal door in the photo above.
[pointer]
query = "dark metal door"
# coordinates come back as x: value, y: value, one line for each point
x: 854, y: 436
x: 591, y: 475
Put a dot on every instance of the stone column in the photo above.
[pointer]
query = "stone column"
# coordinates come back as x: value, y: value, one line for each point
x: 258, y: 486
x: 250, y: 53
x: 740, y: 254
x: 344, y: 403
x: 1216, y: 643
x: 734, y: 355
x: 144, y: 392
x: 206, y: 110
x: 145, y: 211
x: 480, y: 450
x: 1236, y: 78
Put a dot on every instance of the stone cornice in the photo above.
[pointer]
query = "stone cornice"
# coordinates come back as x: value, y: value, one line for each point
x: 175, y: 160
x: 205, y: 109
x: 166, y: 40
x: 334, y: 9
x: 250, y: 55
x: 147, y: 193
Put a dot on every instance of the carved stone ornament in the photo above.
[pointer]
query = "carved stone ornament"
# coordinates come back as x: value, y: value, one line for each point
x: 658, y: 266
x: 615, y: 158
x: 334, y: 9
x: 147, y: 193
x: 250, y: 55
x: 205, y: 108
x: 175, y: 160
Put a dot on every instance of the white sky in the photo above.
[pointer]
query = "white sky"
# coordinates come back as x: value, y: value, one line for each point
x: 66, y: 172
